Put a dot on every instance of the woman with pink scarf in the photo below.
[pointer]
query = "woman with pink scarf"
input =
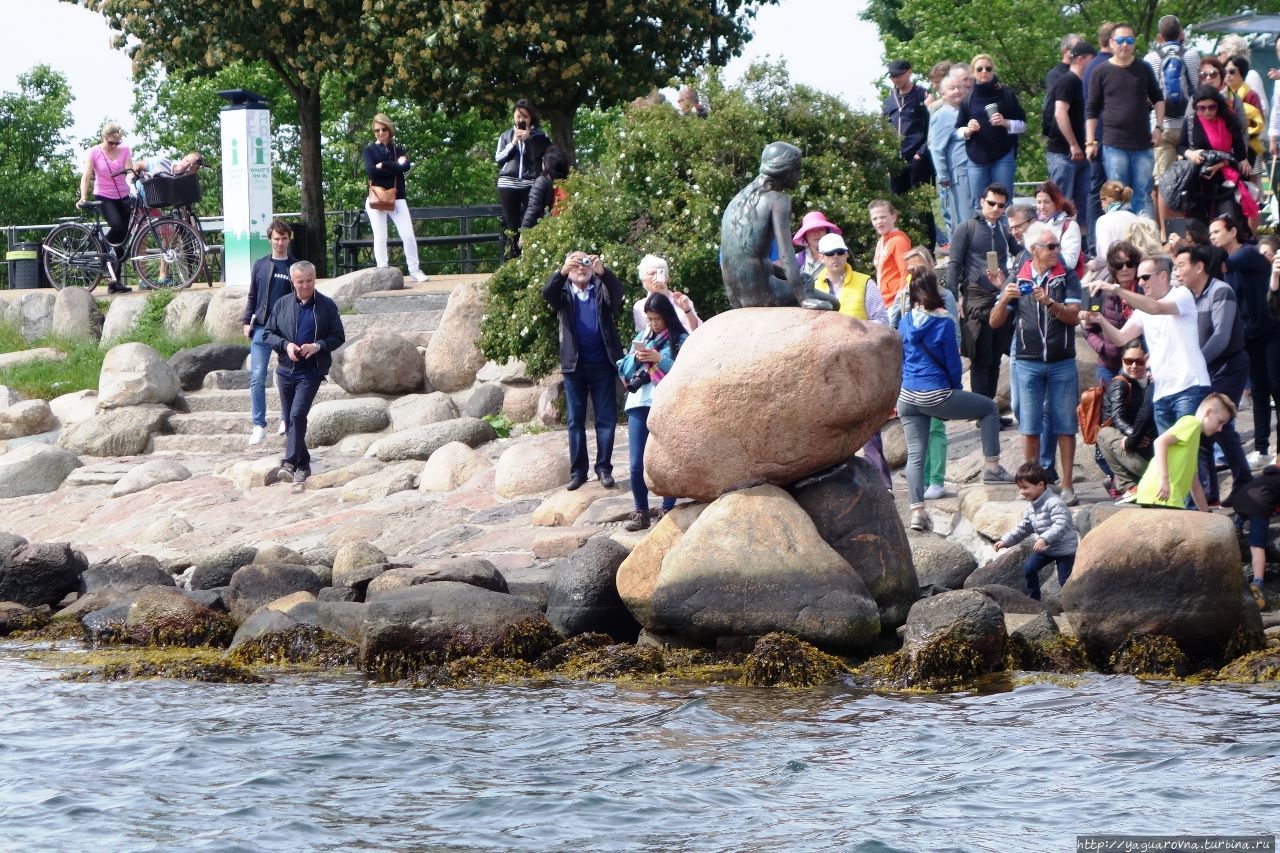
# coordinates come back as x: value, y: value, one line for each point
x: 1213, y: 127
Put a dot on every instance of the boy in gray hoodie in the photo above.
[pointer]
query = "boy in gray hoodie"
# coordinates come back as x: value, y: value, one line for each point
x: 1050, y: 519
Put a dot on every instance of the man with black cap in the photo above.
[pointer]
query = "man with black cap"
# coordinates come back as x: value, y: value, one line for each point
x: 1064, y: 143
x: 906, y: 110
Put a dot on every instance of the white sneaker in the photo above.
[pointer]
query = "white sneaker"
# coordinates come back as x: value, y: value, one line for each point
x: 934, y: 492
x: 1258, y: 459
x: 257, y: 436
x: 419, y: 276
x: 283, y: 429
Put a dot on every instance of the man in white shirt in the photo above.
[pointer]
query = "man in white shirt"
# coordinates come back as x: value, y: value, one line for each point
x: 1166, y: 316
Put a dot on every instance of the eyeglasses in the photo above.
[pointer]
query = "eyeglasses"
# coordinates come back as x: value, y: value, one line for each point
x: 1052, y: 247
x: 1209, y: 75
x: 1206, y: 108
x: 996, y: 204
x: 835, y: 252
x: 1145, y: 276
x: 981, y: 68
x: 1136, y: 362
x: 1125, y: 265
x: 1123, y: 39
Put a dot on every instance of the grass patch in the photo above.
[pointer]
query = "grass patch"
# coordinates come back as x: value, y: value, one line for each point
x: 80, y: 370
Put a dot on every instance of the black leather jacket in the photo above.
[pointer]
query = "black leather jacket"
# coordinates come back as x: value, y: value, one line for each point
x: 521, y: 163
x: 1130, y: 408
x: 282, y: 329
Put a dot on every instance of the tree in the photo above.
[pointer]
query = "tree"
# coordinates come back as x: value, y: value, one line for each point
x: 37, y: 168
x: 563, y: 54
x: 301, y: 41
x: 661, y: 184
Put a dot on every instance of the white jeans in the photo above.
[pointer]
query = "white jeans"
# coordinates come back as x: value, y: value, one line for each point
x: 404, y: 226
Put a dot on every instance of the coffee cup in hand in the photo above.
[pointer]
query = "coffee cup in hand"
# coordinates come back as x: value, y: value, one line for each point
x: 992, y: 109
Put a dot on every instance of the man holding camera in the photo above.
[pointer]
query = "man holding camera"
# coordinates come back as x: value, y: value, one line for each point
x: 587, y: 298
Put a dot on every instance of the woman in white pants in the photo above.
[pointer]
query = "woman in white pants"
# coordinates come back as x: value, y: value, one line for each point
x: 386, y: 164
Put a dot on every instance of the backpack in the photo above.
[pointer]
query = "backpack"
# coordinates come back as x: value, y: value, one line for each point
x: 1176, y: 182
x: 1089, y: 413
x: 1172, y: 73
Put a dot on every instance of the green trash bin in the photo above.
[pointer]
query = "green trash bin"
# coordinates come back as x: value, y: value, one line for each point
x: 24, y: 266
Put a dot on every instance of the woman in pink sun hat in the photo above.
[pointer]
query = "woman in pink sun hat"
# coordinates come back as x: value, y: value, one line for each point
x: 812, y: 229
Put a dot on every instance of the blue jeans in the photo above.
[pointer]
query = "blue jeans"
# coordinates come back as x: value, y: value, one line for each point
x: 956, y: 200
x: 297, y: 391
x: 1047, y: 388
x: 600, y: 381
x: 1035, y: 562
x: 259, y: 357
x: 1073, y: 179
x: 1133, y: 169
x: 637, y: 437
x: 960, y: 406
x: 1000, y: 172
x: 1173, y: 406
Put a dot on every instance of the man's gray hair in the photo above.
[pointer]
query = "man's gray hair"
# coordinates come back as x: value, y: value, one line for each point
x: 1024, y: 212
x: 1161, y: 263
x: 651, y: 262
x: 1068, y: 41
x: 1038, y: 232
x: 302, y: 267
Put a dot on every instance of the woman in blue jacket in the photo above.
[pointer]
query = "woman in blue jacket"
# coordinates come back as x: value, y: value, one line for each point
x: 931, y: 389
x: 653, y: 354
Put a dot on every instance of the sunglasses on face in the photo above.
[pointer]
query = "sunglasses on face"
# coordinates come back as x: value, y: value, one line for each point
x: 996, y: 204
x: 1231, y: 71
x: 1206, y: 108
x: 1209, y: 75
x: 1136, y: 362
x: 981, y: 68
x: 1052, y: 247
x: 835, y: 253
x: 1125, y: 265
x: 1124, y: 40
x: 1145, y: 276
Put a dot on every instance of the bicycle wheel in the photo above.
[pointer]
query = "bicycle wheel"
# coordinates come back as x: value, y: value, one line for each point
x: 73, y: 257
x: 167, y: 254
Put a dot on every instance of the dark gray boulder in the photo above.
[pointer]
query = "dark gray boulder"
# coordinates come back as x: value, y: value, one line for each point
x: 954, y: 636
x: 126, y: 571
x: 215, y: 568
x: 583, y: 597
x: 253, y: 586
x: 41, y: 573
x: 193, y: 364
x: 485, y: 400
x: 107, y: 625
x: 337, y: 593
x: 474, y: 571
x: 940, y: 564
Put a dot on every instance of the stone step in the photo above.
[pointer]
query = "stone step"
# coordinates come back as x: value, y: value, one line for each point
x: 412, y: 321
x: 222, y: 444
x: 238, y: 400
x: 400, y: 302
x: 219, y: 423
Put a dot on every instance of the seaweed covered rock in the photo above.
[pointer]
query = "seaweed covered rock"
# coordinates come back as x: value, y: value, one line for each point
x: 342, y: 619
x: 107, y: 625
x: 470, y: 570
x: 584, y: 595
x: 1254, y: 668
x: 431, y: 624
x: 753, y: 563
x: 163, y: 616
x: 594, y: 656
x: 1149, y: 654
x: 785, y: 661
x: 954, y: 637
x: 295, y: 643
x: 41, y: 573
x: 254, y: 585
x: 856, y: 516
x: 18, y: 617
x: 1180, y: 579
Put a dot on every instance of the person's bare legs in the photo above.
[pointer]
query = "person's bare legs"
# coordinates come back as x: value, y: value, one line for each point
x: 1030, y: 448
x: 1067, y: 459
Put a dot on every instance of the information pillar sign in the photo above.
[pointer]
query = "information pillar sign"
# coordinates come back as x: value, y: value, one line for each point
x: 246, y: 183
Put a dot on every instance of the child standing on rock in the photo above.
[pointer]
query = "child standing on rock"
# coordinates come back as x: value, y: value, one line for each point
x: 1050, y: 519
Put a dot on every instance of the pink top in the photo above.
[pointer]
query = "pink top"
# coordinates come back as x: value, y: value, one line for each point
x: 103, y: 169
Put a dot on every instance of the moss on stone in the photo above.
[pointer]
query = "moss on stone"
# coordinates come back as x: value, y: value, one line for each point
x: 302, y: 644
x: 559, y: 655
x: 1253, y: 668
x: 187, y: 664
x: 478, y: 671
x: 1155, y: 655
x: 1061, y: 653
x: 1244, y: 641
x: 525, y: 640
x: 783, y: 660
x: 52, y: 632
x: 215, y: 630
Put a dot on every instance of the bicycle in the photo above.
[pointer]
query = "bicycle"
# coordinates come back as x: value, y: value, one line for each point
x: 164, y: 252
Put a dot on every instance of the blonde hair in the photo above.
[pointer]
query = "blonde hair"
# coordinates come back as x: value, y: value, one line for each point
x: 112, y: 127
x: 1217, y: 397
x: 1145, y: 238
x: 974, y: 62
x: 385, y: 120
x: 925, y: 256
x: 1117, y: 191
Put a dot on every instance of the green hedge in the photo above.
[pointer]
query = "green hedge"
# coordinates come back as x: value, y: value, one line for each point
x: 661, y: 182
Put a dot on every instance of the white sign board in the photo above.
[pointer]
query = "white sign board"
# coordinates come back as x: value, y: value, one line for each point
x: 246, y: 188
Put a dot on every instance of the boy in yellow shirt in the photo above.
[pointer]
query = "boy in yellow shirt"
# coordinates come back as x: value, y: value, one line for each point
x: 1172, y: 472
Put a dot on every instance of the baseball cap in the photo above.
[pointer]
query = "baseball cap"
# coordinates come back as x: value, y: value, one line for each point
x: 831, y: 243
x: 899, y: 66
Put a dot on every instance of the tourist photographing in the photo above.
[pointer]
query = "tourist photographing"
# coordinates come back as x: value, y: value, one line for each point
x: 385, y: 165
x: 269, y: 281
x: 652, y: 355
x: 587, y: 298
x: 519, y: 159
x: 304, y: 329
x: 655, y: 277
x: 107, y: 164
x: 980, y: 252
x: 1048, y: 518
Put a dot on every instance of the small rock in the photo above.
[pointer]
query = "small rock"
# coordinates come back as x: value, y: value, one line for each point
x: 215, y: 568
x: 116, y: 432
x: 954, y: 636
x: 473, y: 571
x: 150, y: 474
x: 255, y: 585
x: 392, y: 479
x: 414, y: 410
x: 564, y: 507
x: 29, y: 417
x: 272, y: 552
x: 533, y: 466
x: 164, y: 616
x: 449, y: 467
x: 453, y: 359
x: 135, y: 373
x: 331, y: 421
x: 34, y: 469
x: 378, y: 362
x: 193, y: 364
x: 164, y: 530
x: 124, y: 572
x: 485, y: 399
x: 561, y: 542
x: 421, y: 442
x: 41, y: 573
x: 345, y: 474
x: 584, y: 597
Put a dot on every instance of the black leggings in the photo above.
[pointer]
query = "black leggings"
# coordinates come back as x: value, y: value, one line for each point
x: 1264, y: 378
x: 116, y: 211
x: 513, y: 201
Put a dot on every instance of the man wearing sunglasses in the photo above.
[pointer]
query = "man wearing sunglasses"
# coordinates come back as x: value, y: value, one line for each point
x: 1122, y: 94
x: 976, y: 285
x: 1043, y: 304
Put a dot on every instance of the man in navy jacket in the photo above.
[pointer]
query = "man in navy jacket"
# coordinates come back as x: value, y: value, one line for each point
x: 304, y: 329
x: 268, y: 281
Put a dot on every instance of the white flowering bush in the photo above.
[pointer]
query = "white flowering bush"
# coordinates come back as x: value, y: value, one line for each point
x: 660, y: 185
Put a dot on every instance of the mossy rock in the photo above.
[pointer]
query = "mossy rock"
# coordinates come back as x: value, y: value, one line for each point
x: 617, y: 661
x: 1254, y: 668
x: 301, y: 644
x: 476, y: 671
x: 1154, y: 655
x: 163, y: 616
x: 525, y: 640
x: 560, y: 655
x: 1062, y: 653
x: 783, y: 660
x: 51, y: 632
x: 207, y: 665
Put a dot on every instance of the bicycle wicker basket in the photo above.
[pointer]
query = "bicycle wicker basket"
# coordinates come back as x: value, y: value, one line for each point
x: 166, y: 190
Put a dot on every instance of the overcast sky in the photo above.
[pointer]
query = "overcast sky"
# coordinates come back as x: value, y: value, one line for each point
x: 77, y: 42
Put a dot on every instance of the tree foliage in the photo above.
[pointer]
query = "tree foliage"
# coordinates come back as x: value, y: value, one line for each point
x: 37, y: 167
x: 563, y: 54
x: 661, y: 184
